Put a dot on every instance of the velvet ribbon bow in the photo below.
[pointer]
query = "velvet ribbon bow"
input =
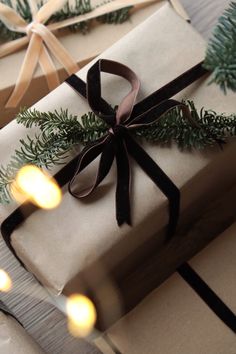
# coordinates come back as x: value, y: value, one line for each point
x: 42, y: 42
x: 119, y: 144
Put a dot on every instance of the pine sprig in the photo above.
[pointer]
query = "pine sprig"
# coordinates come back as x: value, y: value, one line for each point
x: 43, y: 151
x: 115, y: 17
x: 210, y: 127
x: 61, y: 131
x: 65, y: 125
x: 79, y: 7
x: 221, y: 51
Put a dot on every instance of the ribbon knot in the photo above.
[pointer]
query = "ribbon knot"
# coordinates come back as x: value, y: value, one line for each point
x: 118, y: 143
x: 30, y: 27
x: 117, y: 130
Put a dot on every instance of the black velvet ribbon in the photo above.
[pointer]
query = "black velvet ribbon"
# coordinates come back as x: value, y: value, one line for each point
x: 208, y: 296
x: 118, y: 143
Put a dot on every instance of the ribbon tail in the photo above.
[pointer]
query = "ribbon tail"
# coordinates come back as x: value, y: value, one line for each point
x: 123, y: 185
x: 13, y: 46
x: 27, y: 70
x: 161, y: 180
x: 48, y: 69
x: 100, y: 10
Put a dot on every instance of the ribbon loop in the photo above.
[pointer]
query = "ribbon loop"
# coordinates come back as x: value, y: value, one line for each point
x: 94, y: 96
x: 12, y: 19
x: 91, y: 152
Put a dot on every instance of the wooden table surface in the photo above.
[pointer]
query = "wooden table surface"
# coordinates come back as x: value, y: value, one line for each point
x: 204, y: 13
x: 46, y: 324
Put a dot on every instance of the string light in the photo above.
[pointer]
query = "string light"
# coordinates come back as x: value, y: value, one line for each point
x: 81, y: 315
x: 5, y: 281
x: 37, y: 186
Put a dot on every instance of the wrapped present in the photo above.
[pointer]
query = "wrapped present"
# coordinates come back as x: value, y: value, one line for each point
x: 73, y: 50
x: 13, y: 337
x: 214, y: 268
x: 80, y: 237
x: 172, y: 319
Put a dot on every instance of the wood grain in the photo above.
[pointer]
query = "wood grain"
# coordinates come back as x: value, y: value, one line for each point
x: 204, y: 13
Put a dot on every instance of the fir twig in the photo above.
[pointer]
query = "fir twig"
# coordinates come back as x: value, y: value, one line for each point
x: 65, y: 125
x: 173, y: 126
x: 115, y: 17
x: 221, y: 51
x: 61, y: 131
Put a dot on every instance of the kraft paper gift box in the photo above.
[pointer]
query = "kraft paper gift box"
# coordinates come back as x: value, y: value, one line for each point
x: 77, y: 238
x: 181, y: 317
x: 13, y: 337
x: 82, y: 48
x: 216, y: 266
x: 173, y: 319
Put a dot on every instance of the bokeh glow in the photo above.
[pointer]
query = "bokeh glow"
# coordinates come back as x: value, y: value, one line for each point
x: 36, y: 185
x: 81, y: 314
x: 5, y: 281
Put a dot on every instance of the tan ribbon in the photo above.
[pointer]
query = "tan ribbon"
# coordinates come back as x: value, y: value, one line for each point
x: 40, y: 40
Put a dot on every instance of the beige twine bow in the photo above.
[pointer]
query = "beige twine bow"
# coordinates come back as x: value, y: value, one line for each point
x: 40, y: 40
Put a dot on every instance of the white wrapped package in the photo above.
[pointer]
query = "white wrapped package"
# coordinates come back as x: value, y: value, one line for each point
x: 56, y: 245
x: 14, y: 339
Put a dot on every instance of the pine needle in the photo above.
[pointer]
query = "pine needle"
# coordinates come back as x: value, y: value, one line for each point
x: 221, y: 51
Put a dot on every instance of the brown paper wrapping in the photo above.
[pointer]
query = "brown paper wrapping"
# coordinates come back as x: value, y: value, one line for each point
x: 172, y: 319
x: 14, y: 339
x: 82, y: 47
x: 216, y: 265
x: 160, y: 49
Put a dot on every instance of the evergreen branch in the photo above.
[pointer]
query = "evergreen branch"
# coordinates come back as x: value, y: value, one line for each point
x: 221, y: 51
x: 173, y: 126
x: 43, y: 151
x: 64, y: 124
x: 115, y: 17
x: 60, y: 132
x: 79, y: 7
x: 48, y: 121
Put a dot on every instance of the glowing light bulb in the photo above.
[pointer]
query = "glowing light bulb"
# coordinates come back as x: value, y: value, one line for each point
x: 5, y: 281
x: 81, y: 315
x: 37, y: 186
